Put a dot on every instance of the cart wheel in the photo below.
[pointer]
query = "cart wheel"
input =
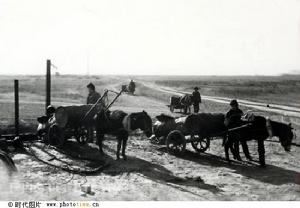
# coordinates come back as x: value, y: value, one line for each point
x: 172, y: 108
x: 55, y: 136
x: 201, y: 144
x: 175, y: 142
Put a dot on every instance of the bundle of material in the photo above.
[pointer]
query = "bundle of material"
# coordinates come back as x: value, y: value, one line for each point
x: 166, y: 124
x: 205, y: 124
x: 75, y: 116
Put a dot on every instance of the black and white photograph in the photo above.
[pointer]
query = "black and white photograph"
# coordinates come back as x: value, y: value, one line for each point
x: 149, y: 101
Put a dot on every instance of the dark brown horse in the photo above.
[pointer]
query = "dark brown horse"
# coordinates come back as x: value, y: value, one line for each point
x: 259, y: 129
x: 120, y: 124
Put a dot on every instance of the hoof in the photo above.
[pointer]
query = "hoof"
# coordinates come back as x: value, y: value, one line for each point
x: 124, y: 157
x: 263, y: 165
x: 239, y: 159
x: 249, y: 158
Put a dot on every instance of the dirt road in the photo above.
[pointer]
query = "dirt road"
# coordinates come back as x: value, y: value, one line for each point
x: 267, y: 107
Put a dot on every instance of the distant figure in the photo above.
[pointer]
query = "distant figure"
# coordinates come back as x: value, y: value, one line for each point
x: 131, y: 87
x: 92, y: 98
x: 196, y: 99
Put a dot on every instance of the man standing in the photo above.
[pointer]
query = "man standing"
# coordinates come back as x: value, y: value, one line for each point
x: 92, y: 98
x: 232, y: 120
x: 196, y: 99
x: 233, y: 116
x: 131, y: 87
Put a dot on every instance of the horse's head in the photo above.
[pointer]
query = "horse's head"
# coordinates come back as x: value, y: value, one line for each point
x: 142, y: 121
x: 285, y: 134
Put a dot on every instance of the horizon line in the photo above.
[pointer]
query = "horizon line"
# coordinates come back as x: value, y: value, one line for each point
x: 179, y: 75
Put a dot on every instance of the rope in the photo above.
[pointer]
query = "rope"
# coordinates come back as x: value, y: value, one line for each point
x: 68, y: 169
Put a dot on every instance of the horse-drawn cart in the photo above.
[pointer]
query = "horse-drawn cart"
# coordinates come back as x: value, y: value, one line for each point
x: 197, y: 129
x: 71, y: 121
x: 74, y: 121
x: 175, y: 136
x: 181, y: 102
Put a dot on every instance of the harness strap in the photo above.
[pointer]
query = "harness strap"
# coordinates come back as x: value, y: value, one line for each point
x: 269, y: 127
x: 127, y: 123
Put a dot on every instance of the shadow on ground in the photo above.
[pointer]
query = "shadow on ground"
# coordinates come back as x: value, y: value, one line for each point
x: 271, y: 174
x: 152, y: 171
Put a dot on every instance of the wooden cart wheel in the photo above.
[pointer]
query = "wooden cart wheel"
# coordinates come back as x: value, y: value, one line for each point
x: 201, y: 144
x: 55, y: 136
x: 172, y: 108
x: 175, y: 142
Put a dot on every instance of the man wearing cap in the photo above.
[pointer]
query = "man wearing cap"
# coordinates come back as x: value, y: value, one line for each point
x: 92, y: 98
x: 232, y: 120
x: 196, y: 99
x: 233, y: 116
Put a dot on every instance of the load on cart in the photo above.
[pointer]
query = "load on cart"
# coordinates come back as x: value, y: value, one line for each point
x: 67, y: 122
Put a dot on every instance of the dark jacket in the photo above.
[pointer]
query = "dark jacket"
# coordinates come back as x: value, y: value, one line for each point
x: 196, y: 97
x: 93, y: 97
x: 233, y: 117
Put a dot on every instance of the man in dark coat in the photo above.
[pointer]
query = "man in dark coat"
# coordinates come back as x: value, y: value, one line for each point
x: 131, y: 86
x: 233, y: 116
x: 232, y: 120
x: 196, y: 99
x: 92, y: 98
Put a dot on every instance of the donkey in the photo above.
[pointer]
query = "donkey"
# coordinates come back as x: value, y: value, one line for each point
x: 259, y: 129
x: 120, y: 124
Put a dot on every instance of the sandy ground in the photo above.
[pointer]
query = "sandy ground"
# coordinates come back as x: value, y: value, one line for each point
x: 150, y: 173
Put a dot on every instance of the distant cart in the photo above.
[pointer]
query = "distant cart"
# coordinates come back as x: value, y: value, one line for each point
x: 130, y: 88
x: 181, y: 102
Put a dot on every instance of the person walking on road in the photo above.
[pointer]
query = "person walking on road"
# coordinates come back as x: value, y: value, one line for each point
x: 196, y: 99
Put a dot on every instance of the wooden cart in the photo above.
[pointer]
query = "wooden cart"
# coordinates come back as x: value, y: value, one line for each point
x: 175, y: 136
x: 74, y: 121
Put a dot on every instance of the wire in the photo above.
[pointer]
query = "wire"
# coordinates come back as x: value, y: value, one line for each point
x: 69, y: 168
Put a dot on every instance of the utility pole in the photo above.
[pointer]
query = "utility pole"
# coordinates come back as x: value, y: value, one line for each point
x: 16, y: 107
x: 48, y: 84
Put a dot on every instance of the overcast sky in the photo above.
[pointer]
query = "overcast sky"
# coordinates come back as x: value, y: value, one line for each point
x: 184, y: 37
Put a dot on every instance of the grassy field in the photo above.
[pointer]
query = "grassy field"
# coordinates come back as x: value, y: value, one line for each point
x: 276, y: 89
